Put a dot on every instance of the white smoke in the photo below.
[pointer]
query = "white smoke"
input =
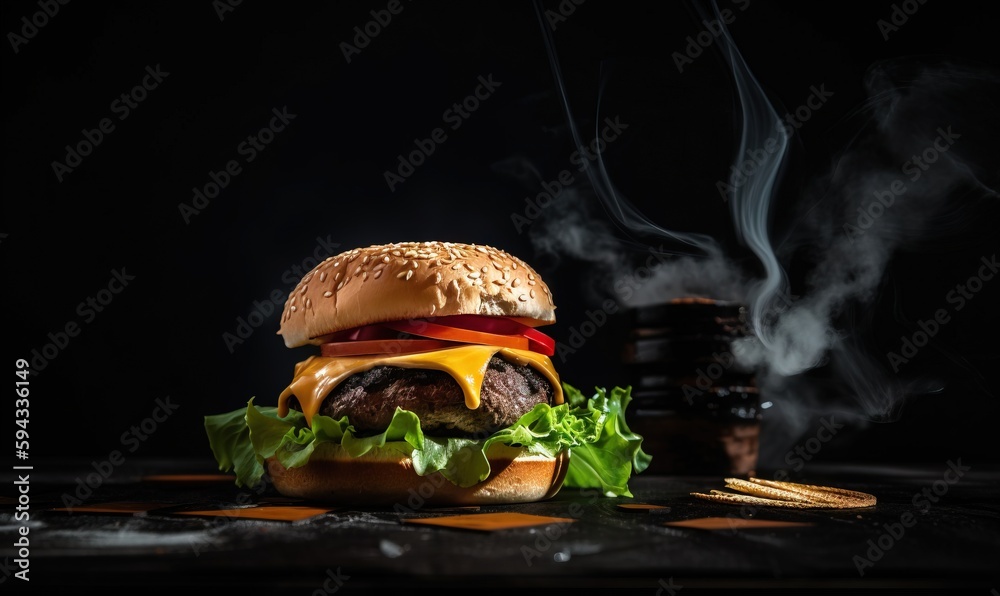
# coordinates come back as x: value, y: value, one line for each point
x: 849, y: 224
x: 906, y: 182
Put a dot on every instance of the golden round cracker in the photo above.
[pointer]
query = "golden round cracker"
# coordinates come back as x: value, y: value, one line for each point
x: 774, y: 493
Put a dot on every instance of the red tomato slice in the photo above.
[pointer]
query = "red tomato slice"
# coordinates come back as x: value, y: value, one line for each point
x: 538, y: 341
x: 501, y: 325
x: 474, y: 329
x: 444, y: 332
x: 382, y: 346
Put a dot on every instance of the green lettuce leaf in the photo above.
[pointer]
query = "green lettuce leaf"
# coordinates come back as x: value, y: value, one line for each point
x: 608, y: 461
x: 604, y: 453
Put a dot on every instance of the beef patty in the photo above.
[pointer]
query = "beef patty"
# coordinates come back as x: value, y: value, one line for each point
x: 369, y: 399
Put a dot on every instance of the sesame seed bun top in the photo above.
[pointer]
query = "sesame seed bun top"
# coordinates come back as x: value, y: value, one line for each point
x: 406, y: 280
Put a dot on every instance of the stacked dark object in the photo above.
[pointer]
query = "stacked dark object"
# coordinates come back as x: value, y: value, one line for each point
x: 696, y: 407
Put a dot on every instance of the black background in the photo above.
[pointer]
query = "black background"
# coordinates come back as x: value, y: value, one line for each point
x: 323, y: 178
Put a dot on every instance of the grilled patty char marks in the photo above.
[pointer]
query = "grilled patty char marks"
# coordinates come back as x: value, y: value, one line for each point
x: 369, y: 399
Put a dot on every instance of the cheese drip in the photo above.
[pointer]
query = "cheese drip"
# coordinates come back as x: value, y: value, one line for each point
x: 317, y: 376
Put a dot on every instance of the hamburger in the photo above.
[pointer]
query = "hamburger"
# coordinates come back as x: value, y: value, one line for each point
x: 428, y: 376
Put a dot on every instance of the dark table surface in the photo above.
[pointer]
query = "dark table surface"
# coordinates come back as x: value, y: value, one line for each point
x: 953, y: 541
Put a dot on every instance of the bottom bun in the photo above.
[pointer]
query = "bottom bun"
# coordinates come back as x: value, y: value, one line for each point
x: 385, y: 477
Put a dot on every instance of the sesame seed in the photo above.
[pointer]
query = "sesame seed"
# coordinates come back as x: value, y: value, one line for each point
x: 531, y: 283
x: 303, y: 290
x: 337, y: 276
x: 531, y: 276
x: 322, y: 277
x: 469, y: 267
x: 340, y: 285
x: 378, y: 274
x: 415, y: 264
x: 402, y: 274
x: 523, y: 298
x: 475, y: 275
x: 456, y: 266
x: 364, y: 276
x: 484, y: 269
x: 409, y: 274
x: 498, y: 266
x: 481, y: 249
x: 437, y: 277
x: 386, y: 259
x: 499, y: 282
x: 327, y: 294
x: 366, y: 259
x: 410, y: 254
x: 309, y: 303
x: 513, y: 264
x: 516, y: 282
x: 397, y: 253
x: 293, y: 309
x: 531, y: 293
